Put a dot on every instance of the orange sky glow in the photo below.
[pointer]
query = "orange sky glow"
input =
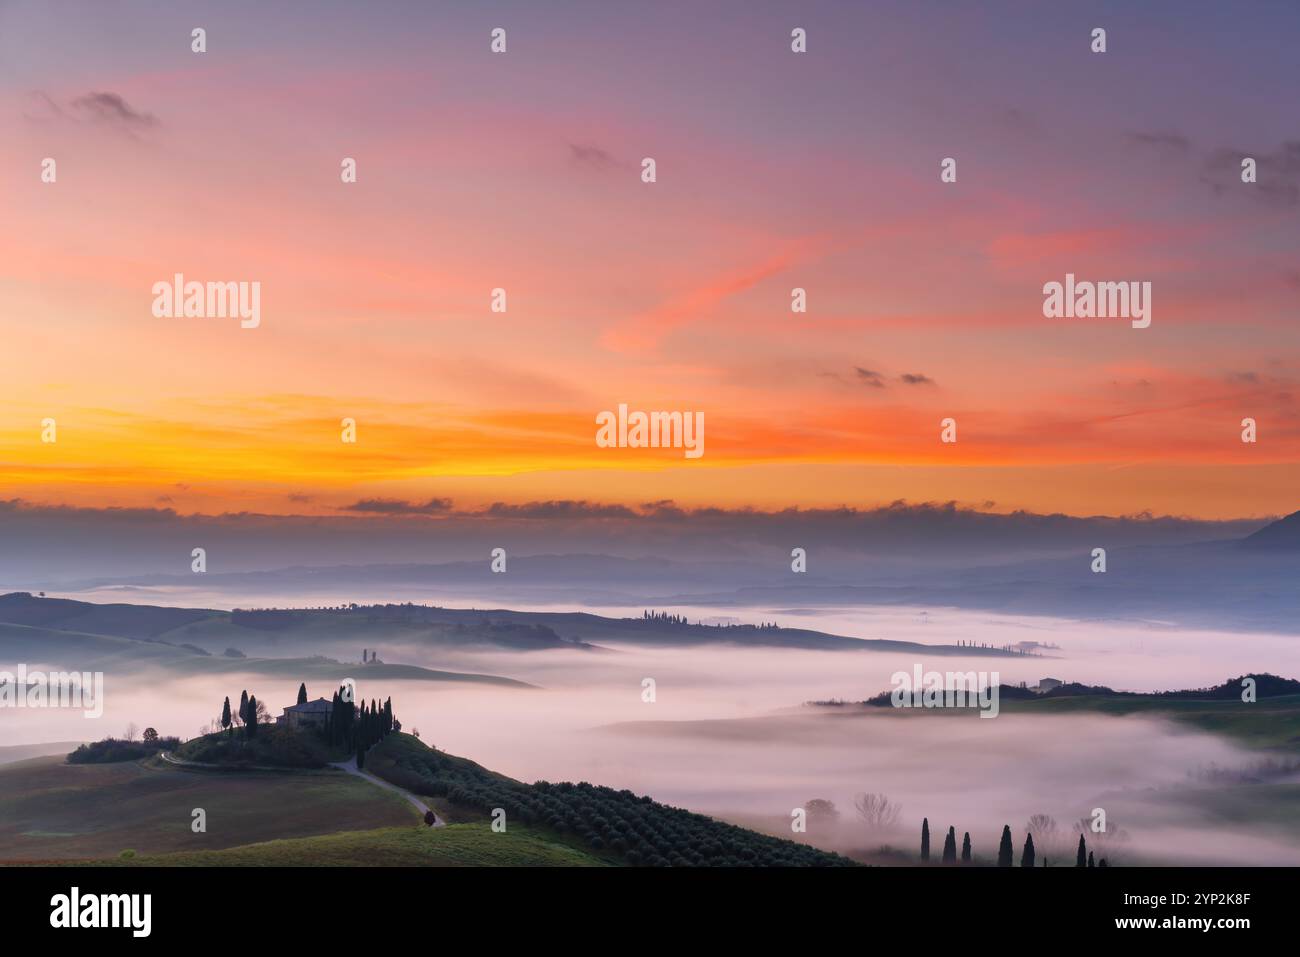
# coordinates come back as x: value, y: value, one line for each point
x: 924, y: 299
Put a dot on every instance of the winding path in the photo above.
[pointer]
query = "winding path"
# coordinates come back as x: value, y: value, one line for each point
x: 182, y: 763
x: 350, y: 766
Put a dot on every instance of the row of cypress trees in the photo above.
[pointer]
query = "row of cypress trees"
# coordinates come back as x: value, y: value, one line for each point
x: 1006, y: 852
x: 345, y: 726
x: 949, y: 845
x: 247, y: 714
x: 357, y: 728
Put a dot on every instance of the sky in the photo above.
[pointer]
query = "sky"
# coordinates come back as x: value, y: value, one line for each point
x: 522, y: 171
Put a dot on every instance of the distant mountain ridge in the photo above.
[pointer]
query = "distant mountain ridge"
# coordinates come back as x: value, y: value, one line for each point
x: 1284, y: 534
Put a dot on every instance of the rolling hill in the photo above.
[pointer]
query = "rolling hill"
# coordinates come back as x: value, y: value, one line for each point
x: 140, y: 813
x: 228, y: 640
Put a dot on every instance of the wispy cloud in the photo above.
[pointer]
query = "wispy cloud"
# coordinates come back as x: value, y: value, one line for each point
x: 565, y: 509
x: 393, y: 506
x: 868, y: 377
x: 592, y: 157
x: 1278, y: 172
x: 103, y: 109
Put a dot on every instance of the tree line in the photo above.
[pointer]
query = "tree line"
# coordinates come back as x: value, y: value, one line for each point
x: 347, y: 725
x: 1006, y: 849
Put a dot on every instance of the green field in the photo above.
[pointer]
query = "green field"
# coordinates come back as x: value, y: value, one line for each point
x: 457, y: 845
x: 1269, y: 723
x: 51, y: 810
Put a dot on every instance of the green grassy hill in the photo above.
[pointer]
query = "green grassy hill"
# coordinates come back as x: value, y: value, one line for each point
x: 1269, y: 723
x: 618, y: 825
x: 51, y: 810
x: 272, y: 746
x: 457, y: 845
x: 1272, y: 721
x: 140, y: 813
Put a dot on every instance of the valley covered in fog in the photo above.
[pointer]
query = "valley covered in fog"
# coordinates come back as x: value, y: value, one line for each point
x: 728, y: 732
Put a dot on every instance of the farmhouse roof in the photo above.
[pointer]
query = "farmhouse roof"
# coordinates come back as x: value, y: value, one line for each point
x: 311, y: 707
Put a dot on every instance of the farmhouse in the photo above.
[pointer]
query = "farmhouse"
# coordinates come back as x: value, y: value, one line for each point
x: 309, y: 713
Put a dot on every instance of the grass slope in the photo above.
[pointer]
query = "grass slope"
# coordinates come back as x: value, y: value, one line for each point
x: 140, y: 813
x: 21, y: 752
x: 272, y: 746
x: 457, y: 845
x: 1269, y: 723
x: 51, y: 810
x: 122, y: 620
x: 32, y: 643
x: 617, y: 825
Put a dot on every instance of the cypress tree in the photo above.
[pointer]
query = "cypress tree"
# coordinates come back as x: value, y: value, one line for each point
x: 1027, y: 855
x: 1005, y: 850
x: 950, y: 847
x: 302, y: 693
x: 251, y: 721
x: 225, y: 714
x: 1081, y: 859
x: 965, y: 848
x: 243, y: 705
x: 1090, y: 861
x: 925, y: 839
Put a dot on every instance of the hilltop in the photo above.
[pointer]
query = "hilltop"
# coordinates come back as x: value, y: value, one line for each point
x: 137, y: 812
x: 1271, y: 721
x: 207, y: 640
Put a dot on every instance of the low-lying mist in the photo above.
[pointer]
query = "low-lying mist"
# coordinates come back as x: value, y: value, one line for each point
x: 725, y: 734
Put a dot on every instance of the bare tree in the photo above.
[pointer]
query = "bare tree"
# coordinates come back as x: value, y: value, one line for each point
x: 1047, y: 834
x: 132, y: 730
x: 877, y: 811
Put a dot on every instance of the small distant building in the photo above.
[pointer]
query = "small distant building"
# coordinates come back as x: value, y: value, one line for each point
x: 1047, y: 684
x: 309, y: 713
